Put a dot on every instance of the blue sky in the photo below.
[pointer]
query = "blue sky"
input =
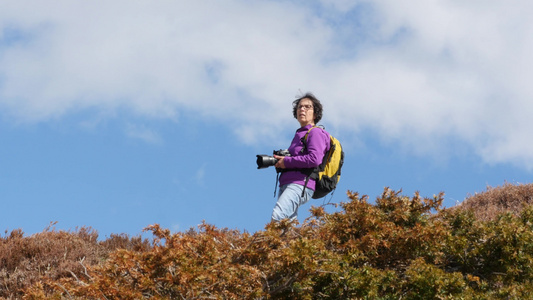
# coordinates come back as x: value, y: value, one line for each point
x: 117, y: 115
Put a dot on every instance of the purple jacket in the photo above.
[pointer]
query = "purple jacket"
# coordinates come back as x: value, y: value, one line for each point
x: 317, y: 145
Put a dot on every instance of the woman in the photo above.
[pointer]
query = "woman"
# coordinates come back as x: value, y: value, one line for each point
x: 308, y: 111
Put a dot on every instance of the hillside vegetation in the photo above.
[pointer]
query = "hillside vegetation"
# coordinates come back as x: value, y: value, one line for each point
x: 397, y: 247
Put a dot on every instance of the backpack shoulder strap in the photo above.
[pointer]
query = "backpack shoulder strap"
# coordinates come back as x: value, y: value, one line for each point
x: 311, y: 172
x: 304, y: 139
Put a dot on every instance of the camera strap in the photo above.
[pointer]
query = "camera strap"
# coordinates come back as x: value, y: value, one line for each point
x: 276, y: 185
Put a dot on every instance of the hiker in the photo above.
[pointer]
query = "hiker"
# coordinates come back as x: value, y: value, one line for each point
x: 303, y: 158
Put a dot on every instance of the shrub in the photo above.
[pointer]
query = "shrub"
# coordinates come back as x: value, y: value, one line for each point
x: 398, y: 248
x: 51, y: 255
x: 489, y: 204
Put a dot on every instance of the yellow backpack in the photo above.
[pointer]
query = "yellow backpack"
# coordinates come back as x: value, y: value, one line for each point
x: 328, y: 173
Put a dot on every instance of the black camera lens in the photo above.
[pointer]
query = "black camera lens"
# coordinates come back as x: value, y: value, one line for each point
x: 265, y: 161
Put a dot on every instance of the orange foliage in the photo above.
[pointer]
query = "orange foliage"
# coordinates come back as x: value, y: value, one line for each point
x: 398, y: 247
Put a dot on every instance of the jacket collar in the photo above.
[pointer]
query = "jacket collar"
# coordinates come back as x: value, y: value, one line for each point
x: 306, y: 127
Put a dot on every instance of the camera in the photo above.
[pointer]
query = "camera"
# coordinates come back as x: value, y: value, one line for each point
x: 265, y: 161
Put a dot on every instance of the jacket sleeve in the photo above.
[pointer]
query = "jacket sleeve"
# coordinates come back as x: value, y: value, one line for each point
x: 317, y: 145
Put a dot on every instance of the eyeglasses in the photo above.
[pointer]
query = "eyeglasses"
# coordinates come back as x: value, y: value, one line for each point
x: 305, y: 107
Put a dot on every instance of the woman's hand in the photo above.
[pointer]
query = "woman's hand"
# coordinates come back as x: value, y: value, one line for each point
x: 280, y: 164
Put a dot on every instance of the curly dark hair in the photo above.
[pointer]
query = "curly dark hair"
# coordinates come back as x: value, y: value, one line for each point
x: 317, y: 106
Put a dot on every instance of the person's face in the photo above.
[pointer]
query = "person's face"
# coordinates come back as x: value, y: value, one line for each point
x: 305, y: 112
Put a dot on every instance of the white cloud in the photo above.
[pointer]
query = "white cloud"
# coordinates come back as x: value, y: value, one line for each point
x: 415, y: 74
x: 200, y: 175
x: 143, y: 133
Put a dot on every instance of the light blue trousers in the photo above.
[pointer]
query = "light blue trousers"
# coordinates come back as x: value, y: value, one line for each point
x: 289, y: 200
